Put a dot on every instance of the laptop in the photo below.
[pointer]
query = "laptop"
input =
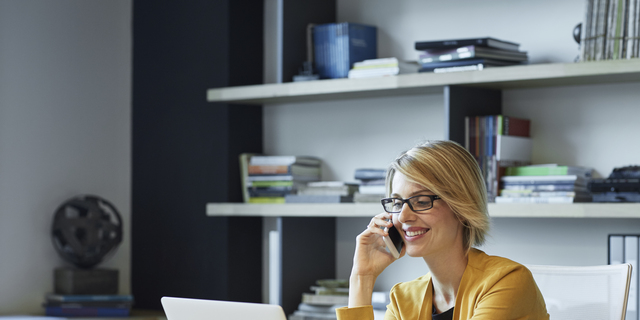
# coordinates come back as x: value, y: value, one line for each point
x: 198, y: 309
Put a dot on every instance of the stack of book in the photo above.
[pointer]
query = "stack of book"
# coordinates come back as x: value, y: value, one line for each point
x: 381, y: 67
x: 498, y: 142
x: 549, y: 183
x: 610, y: 30
x: 467, y: 54
x: 371, y: 185
x: 268, y: 179
x: 328, y: 295
x: 337, y: 46
x: 58, y: 305
x: 323, y: 192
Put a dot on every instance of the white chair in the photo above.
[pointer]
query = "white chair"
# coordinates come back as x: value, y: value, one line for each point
x: 584, y: 293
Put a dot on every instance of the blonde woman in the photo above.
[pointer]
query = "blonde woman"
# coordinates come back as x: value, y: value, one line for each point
x: 437, y: 202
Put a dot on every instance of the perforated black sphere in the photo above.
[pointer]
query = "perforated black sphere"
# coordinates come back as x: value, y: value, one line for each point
x: 86, y: 229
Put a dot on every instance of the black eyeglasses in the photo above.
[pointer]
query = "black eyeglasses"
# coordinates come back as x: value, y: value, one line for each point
x: 416, y: 203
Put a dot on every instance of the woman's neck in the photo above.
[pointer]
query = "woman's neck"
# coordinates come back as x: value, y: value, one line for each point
x: 446, y: 274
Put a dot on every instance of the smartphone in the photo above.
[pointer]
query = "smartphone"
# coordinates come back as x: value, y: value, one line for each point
x: 393, y: 241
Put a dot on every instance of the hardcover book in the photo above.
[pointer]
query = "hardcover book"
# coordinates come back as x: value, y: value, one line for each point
x: 470, y: 52
x: 455, y: 43
x: 428, y: 67
x: 337, y: 46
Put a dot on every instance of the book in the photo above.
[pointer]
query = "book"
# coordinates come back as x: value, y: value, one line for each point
x: 87, y: 297
x: 337, y: 46
x: 372, y: 189
x: 263, y: 160
x: 509, y: 193
x: 367, y: 198
x: 513, y: 148
x: 324, y: 300
x: 328, y: 188
x: 244, y: 159
x: 470, y: 52
x: 546, y: 180
x: 55, y: 311
x: 100, y: 304
x: 471, y: 67
x: 315, y: 198
x: 370, y: 174
x: 548, y: 170
x: 292, y: 169
x: 502, y: 199
x: 285, y: 177
x: 545, y: 187
x: 455, y: 43
x: 307, y: 315
x: 382, y: 67
x: 428, y: 67
x: 265, y: 200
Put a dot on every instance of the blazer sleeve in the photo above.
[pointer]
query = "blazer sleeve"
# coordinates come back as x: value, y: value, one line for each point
x: 356, y: 313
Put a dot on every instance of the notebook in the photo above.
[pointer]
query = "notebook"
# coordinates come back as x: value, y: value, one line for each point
x: 198, y: 309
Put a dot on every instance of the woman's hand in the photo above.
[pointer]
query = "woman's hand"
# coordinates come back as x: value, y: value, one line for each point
x: 370, y: 259
x: 371, y: 256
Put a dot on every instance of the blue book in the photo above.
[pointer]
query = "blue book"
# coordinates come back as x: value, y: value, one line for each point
x: 88, y: 297
x: 337, y: 46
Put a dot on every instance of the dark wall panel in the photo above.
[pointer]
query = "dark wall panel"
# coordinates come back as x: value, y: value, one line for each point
x: 185, y: 150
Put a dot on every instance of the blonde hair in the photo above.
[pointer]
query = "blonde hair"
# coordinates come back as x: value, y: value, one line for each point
x: 451, y: 172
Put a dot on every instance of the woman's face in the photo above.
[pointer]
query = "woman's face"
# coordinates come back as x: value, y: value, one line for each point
x: 429, y: 232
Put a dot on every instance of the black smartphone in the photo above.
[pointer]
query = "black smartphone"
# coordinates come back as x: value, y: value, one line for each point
x: 394, y: 242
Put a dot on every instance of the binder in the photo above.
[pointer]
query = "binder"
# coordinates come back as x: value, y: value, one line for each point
x: 624, y: 249
x: 631, y: 256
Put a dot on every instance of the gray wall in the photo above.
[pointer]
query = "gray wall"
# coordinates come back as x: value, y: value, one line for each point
x: 65, y: 97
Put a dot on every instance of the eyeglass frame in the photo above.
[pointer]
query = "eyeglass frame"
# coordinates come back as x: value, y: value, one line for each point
x: 407, y: 201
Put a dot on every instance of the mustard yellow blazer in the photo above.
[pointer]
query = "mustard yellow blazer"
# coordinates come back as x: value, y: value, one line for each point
x: 492, y: 288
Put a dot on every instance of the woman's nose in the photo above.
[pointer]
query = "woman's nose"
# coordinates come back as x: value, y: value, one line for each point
x: 406, y: 214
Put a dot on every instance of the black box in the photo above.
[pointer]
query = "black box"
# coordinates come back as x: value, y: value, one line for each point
x: 85, y: 281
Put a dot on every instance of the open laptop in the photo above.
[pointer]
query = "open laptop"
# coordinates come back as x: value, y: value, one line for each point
x: 197, y: 309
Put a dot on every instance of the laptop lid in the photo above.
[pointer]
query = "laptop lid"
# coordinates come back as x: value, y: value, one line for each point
x: 198, y: 309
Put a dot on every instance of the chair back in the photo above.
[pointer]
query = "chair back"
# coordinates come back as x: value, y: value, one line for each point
x: 584, y: 292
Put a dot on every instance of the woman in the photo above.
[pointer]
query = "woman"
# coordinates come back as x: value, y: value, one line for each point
x: 437, y: 202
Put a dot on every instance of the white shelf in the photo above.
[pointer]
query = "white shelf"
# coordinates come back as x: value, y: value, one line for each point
x: 575, y: 210
x: 537, y: 75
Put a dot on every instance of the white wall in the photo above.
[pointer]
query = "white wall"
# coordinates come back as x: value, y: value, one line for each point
x: 575, y: 125
x: 65, y: 129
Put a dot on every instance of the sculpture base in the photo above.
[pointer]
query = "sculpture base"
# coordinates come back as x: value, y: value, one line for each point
x: 80, y: 281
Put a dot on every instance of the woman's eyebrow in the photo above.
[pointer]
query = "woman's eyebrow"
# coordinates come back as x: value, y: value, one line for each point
x: 419, y: 192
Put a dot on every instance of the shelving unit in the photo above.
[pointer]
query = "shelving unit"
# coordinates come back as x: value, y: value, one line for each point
x: 573, y: 210
x: 537, y: 75
x: 465, y: 94
x: 541, y: 75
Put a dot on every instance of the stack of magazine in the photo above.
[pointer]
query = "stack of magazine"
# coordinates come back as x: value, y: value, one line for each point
x: 371, y: 184
x: 87, y: 305
x: 323, y: 192
x: 548, y: 183
x: 327, y: 295
x: 269, y: 179
x: 467, y: 54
